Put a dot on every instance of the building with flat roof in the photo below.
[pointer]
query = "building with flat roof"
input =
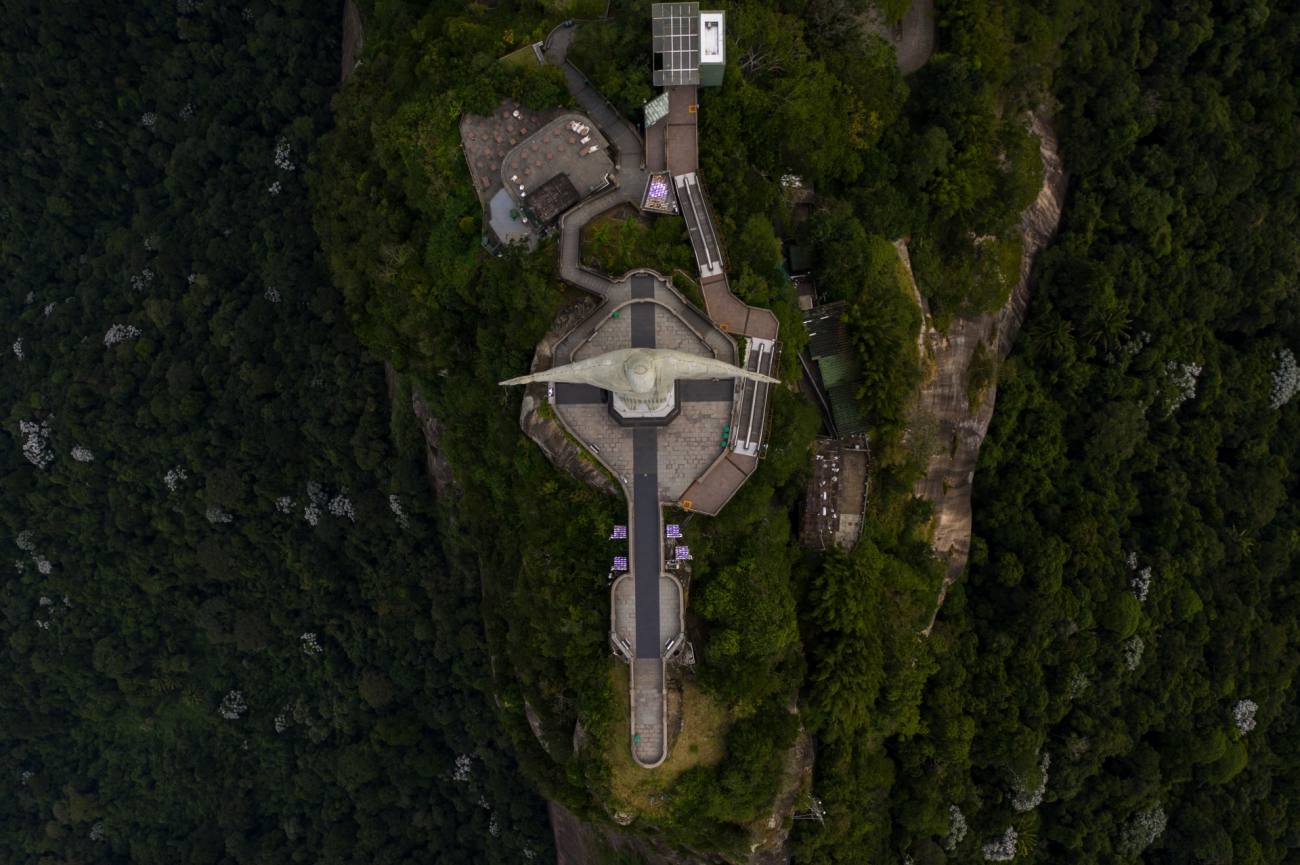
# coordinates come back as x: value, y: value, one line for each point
x: 689, y: 46
x: 552, y: 198
x: 839, y: 372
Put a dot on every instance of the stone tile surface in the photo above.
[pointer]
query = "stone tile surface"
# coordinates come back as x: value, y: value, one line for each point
x: 689, y: 445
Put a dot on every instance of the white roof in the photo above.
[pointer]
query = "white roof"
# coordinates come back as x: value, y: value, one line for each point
x: 713, y: 37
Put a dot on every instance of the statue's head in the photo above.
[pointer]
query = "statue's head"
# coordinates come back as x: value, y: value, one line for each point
x: 639, y: 367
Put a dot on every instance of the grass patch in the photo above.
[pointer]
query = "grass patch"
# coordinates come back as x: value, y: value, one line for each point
x: 524, y: 56
x: 689, y: 288
x: 621, y: 239
x: 702, y: 742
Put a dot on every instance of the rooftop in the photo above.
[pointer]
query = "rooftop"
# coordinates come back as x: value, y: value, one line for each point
x: 676, y: 33
x: 568, y: 145
x: 838, y: 367
x: 552, y: 198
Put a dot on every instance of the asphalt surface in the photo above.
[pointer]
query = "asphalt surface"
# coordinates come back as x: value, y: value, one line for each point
x: 646, y: 548
x: 716, y: 390
x: 643, y: 314
x: 578, y: 394
x: 629, y: 176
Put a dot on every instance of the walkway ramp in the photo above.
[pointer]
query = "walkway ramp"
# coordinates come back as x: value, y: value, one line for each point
x: 699, y: 223
x: 649, y: 712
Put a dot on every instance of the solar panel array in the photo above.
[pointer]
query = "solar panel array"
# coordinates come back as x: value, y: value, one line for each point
x: 676, y: 31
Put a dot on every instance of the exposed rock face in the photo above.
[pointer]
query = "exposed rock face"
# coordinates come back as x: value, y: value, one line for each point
x: 912, y: 37
x: 773, y: 847
x: 944, y: 395
x: 439, y: 469
x: 581, y: 843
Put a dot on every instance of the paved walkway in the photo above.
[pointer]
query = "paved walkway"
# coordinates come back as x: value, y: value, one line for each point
x: 649, y: 731
x: 644, y: 296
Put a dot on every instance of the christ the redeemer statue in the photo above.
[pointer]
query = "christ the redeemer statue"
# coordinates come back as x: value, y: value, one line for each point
x: 642, y: 378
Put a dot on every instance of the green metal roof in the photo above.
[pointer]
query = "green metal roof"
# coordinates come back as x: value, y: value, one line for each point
x: 839, y: 368
x: 656, y: 109
x: 845, y: 408
x: 800, y: 258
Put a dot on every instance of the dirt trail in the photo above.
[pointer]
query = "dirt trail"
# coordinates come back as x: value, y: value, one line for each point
x: 354, y: 40
x: 948, y: 483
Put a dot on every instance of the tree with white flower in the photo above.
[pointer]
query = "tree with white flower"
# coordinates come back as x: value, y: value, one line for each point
x: 35, y: 449
x: 957, y: 828
x: 173, y: 478
x: 1183, y: 376
x: 97, y: 831
x: 1286, y: 379
x: 272, y: 294
x: 464, y: 767
x: 1140, y: 581
x: 284, y: 504
x: 217, y: 516
x: 83, y: 454
x: 341, y: 506
x: 1003, y: 848
x: 1029, y: 798
x: 282, y: 159
x: 142, y: 280
x: 120, y: 333
x: 1142, y: 830
x: 148, y: 119
x: 310, y: 645
x: 395, y: 505
x: 1133, y: 648
x: 232, y: 706
x: 1243, y: 715
x: 18, y: 348
x: 315, y: 502
x: 274, y: 188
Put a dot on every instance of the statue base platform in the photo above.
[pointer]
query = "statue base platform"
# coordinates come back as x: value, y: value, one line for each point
x: 662, y: 415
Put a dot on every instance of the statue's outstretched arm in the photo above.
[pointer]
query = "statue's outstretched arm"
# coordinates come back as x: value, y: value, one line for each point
x: 593, y: 370
x: 680, y: 365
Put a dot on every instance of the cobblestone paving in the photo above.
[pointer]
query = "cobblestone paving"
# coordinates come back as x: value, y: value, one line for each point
x: 670, y: 604
x: 625, y: 610
x: 592, y: 425
x: 671, y: 332
x: 647, y: 710
x: 689, y: 445
x: 613, y: 333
